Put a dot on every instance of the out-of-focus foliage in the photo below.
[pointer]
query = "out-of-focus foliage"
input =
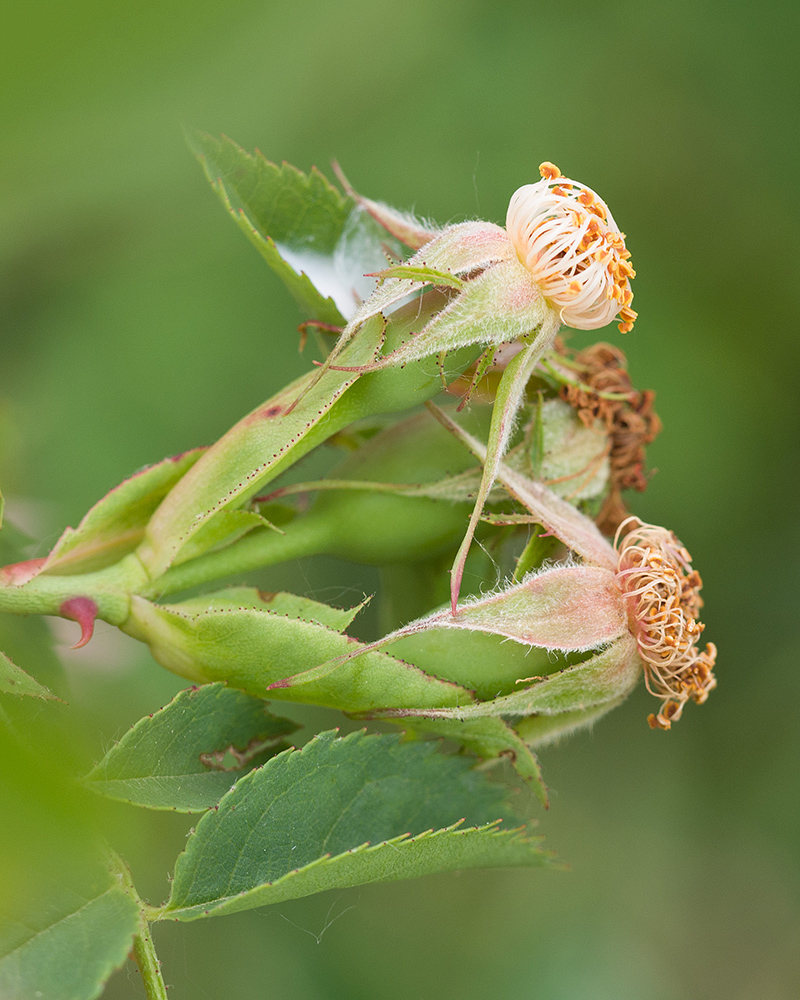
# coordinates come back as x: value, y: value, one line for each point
x: 136, y: 323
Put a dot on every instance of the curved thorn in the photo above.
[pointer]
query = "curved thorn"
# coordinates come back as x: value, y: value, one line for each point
x: 82, y: 610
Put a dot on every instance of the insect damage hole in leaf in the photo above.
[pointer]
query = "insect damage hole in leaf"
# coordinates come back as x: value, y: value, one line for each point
x: 187, y: 755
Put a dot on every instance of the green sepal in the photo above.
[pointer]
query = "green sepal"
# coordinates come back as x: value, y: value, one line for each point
x: 487, y: 664
x: 186, y: 756
x: 252, y: 453
x: 569, y: 456
x: 427, y: 275
x: 343, y: 812
x: 224, y: 528
x: 115, y: 525
x: 605, y: 677
x: 278, y: 603
x: 279, y: 432
x: 542, y: 730
x: 261, y: 652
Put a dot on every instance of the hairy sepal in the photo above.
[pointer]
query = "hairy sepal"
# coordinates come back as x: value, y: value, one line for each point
x: 607, y: 677
x: 259, y: 651
x: 507, y: 403
x: 116, y: 524
x: 252, y: 453
x: 559, y: 517
x: 567, y: 608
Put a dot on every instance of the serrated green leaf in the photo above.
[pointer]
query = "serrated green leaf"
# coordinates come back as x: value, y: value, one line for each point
x: 69, y: 949
x: 14, y: 680
x: 115, y: 525
x: 342, y: 812
x: 320, y: 242
x: 272, y: 655
x: 188, y: 754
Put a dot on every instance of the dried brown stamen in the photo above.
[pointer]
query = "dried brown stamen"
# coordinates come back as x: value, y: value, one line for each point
x: 630, y: 422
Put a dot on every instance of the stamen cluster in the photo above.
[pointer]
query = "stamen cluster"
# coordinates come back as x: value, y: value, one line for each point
x: 662, y: 594
x: 566, y: 237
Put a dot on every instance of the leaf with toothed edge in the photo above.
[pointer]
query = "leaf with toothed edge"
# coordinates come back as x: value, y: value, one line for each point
x: 344, y: 812
x: 273, y: 654
x: 320, y: 243
x: 188, y: 754
x: 14, y: 680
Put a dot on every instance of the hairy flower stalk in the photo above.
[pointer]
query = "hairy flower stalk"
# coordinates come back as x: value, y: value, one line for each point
x: 561, y: 259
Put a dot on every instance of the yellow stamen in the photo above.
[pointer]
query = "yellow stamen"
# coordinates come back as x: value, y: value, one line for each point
x: 549, y: 170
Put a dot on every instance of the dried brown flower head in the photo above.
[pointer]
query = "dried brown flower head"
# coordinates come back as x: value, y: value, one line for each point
x: 603, y: 390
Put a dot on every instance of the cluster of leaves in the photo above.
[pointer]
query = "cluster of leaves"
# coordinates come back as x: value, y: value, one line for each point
x: 277, y: 822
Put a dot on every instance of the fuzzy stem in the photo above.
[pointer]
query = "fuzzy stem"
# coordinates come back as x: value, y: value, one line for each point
x: 109, y: 588
x: 144, y: 952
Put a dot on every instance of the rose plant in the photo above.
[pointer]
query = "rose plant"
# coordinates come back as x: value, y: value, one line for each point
x: 460, y: 433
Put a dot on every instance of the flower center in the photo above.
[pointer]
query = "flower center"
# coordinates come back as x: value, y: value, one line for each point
x: 566, y: 237
x: 662, y: 593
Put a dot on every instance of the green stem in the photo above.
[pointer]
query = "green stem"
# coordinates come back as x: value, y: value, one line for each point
x: 144, y: 952
x: 262, y: 547
x: 109, y: 588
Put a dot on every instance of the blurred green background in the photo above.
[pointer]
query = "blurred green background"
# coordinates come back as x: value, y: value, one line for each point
x: 137, y: 322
